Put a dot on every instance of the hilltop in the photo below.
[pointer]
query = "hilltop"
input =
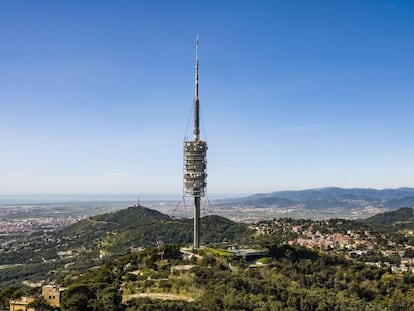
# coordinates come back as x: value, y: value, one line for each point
x: 402, y: 216
x: 133, y: 227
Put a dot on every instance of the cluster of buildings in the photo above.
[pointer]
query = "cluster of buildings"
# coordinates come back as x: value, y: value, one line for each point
x: 52, y: 294
x: 362, y: 245
x: 36, y: 243
x: 29, y: 225
x: 333, y: 241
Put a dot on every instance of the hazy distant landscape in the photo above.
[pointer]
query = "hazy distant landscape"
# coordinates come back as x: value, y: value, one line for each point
x: 57, y: 211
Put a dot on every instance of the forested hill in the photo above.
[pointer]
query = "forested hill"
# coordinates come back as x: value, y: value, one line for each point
x: 116, y: 232
x: 95, y: 240
x: 121, y: 220
x: 404, y: 215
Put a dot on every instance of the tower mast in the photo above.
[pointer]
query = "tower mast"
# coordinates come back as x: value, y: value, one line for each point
x: 195, y: 162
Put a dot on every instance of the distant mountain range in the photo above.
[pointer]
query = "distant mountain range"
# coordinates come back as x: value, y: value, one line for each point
x: 332, y: 197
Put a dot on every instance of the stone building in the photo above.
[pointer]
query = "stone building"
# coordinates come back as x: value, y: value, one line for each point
x: 53, y: 294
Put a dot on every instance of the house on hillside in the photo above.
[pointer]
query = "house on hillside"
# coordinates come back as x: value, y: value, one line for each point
x: 53, y: 294
x: 21, y: 303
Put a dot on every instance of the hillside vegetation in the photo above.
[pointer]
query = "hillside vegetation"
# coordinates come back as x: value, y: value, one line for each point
x: 91, y: 241
x: 404, y: 215
x: 118, y: 231
x: 131, y: 260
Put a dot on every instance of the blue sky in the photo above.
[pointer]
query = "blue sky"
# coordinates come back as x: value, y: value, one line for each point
x: 95, y: 96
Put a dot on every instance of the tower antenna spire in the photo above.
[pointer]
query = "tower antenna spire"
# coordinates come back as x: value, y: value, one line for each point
x: 196, y: 100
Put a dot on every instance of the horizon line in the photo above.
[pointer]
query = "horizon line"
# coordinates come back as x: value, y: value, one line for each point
x: 138, y: 195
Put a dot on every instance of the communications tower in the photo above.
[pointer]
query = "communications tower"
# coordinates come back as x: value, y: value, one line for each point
x: 195, y: 162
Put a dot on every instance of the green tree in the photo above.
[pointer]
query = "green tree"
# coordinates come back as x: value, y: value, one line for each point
x: 76, y: 298
x: 5, y: 295
x: 40, y: 304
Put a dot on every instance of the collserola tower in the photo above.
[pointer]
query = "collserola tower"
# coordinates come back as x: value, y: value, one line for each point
x: 195, y: 163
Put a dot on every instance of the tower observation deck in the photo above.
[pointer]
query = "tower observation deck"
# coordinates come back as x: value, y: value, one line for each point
x: 195, y: 163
